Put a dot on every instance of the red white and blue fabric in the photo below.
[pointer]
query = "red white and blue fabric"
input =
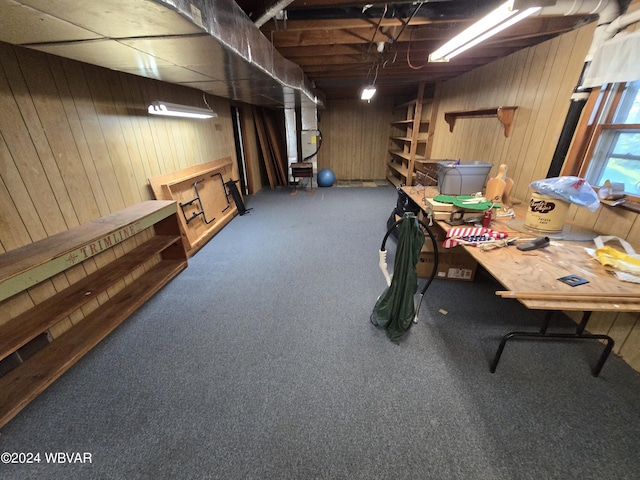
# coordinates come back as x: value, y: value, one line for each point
x: 471, y: 236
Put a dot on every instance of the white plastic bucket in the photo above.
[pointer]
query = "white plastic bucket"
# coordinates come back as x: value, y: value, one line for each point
x: 546, y: 213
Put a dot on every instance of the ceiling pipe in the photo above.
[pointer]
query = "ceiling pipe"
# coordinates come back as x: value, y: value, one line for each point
x: 384, y: 12
x: 272, y: 11
x: 620, y: 23
x: 249, y: 52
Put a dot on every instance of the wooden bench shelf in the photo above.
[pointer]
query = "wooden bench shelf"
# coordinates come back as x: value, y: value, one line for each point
x: 150, y: 233
x: 40, y: 318
x: 504, y: 114
x: 399, y: 168
x: 402, y: 139
x: 402, y: 122
x: 406, y: 155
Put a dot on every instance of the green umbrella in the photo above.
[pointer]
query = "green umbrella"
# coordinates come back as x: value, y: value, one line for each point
x: 395, y: 310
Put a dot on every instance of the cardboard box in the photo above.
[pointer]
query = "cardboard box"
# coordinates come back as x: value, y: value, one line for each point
x: 453, y: 264
x: 437, y: 231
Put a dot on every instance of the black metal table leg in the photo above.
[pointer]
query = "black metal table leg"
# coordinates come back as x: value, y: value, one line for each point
x: 542, y: 334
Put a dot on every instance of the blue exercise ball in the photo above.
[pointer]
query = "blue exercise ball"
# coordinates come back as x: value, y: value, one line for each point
x: 326, y: 177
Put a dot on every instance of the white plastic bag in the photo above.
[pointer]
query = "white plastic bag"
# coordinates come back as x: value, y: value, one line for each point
x: 571, y: 189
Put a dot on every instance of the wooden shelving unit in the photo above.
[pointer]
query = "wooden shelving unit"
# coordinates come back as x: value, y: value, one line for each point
x: 122, y: 260
x: 504, y: 114
x: 407, y: 142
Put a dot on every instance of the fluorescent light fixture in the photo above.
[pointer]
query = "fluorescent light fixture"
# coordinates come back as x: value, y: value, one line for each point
x: 368, y: 93
x: 174, y: 110
x: 502, y: 17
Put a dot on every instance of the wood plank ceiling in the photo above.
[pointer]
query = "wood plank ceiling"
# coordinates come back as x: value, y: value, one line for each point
x: 342, y: 45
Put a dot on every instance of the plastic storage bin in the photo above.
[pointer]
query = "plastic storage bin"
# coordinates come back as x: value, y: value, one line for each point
x: 462, y: 178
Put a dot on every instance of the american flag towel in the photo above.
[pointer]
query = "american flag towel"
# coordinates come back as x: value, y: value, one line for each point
x: 471, y: 236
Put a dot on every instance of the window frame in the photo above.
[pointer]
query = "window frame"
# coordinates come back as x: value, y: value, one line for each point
x: 597, y: 117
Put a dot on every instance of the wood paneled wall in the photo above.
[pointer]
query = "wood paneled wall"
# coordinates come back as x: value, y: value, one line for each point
x: 76, y: 142
x: 539, y: 81
x: 355, y: 138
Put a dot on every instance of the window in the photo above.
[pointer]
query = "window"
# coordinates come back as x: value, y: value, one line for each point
x: 613, y: 138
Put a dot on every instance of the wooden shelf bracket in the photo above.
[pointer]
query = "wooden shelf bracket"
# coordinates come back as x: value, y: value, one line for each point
x: 504, y: 114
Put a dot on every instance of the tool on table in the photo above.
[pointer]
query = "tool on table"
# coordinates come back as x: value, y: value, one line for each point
x: 573, y: 280
x: 496, y: 185
x: 539, y: 242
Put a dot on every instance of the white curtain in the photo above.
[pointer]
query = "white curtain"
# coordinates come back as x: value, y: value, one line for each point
x: 617, y: 60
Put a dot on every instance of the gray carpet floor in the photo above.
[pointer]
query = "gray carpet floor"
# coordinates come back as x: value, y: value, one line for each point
x: 259, y: 362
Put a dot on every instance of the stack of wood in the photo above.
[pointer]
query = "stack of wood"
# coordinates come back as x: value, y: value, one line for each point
x: 272, y: 147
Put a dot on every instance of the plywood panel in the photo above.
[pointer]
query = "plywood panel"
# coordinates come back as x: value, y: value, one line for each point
x: 94, y: 137
x: 27, y: 166
x: 92, y: 191
x: 18, y: 212
x: 112, y: 132
x: 249, y: 135
x: 20, y: 77
x: 68, y: 172
x: 355, y: 136
x: 76, y: 142
x: 133, y: 161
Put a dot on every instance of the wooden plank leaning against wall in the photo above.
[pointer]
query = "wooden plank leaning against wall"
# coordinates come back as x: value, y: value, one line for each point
x: 539, y: 81
x: 76, y: 144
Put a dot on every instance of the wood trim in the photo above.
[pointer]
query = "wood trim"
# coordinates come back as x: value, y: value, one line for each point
x: 504, y: 114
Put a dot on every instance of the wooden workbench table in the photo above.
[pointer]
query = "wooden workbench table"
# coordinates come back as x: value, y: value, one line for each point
x: 532, y: 278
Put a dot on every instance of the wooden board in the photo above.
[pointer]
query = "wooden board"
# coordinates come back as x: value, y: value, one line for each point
x: 200, y: 219
x: 355, y: 137
x: 265, y: 147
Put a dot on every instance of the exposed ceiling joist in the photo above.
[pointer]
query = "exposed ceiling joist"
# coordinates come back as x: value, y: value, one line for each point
x: 312, y: 47
x: 335, y: 40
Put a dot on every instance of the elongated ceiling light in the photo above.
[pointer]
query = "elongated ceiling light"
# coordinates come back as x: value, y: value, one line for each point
x: 174, y: 110
x: 502, y: 17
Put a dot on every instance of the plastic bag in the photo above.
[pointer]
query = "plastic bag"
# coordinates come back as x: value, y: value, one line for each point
x: 624, y: 265
x: 571, y: 189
